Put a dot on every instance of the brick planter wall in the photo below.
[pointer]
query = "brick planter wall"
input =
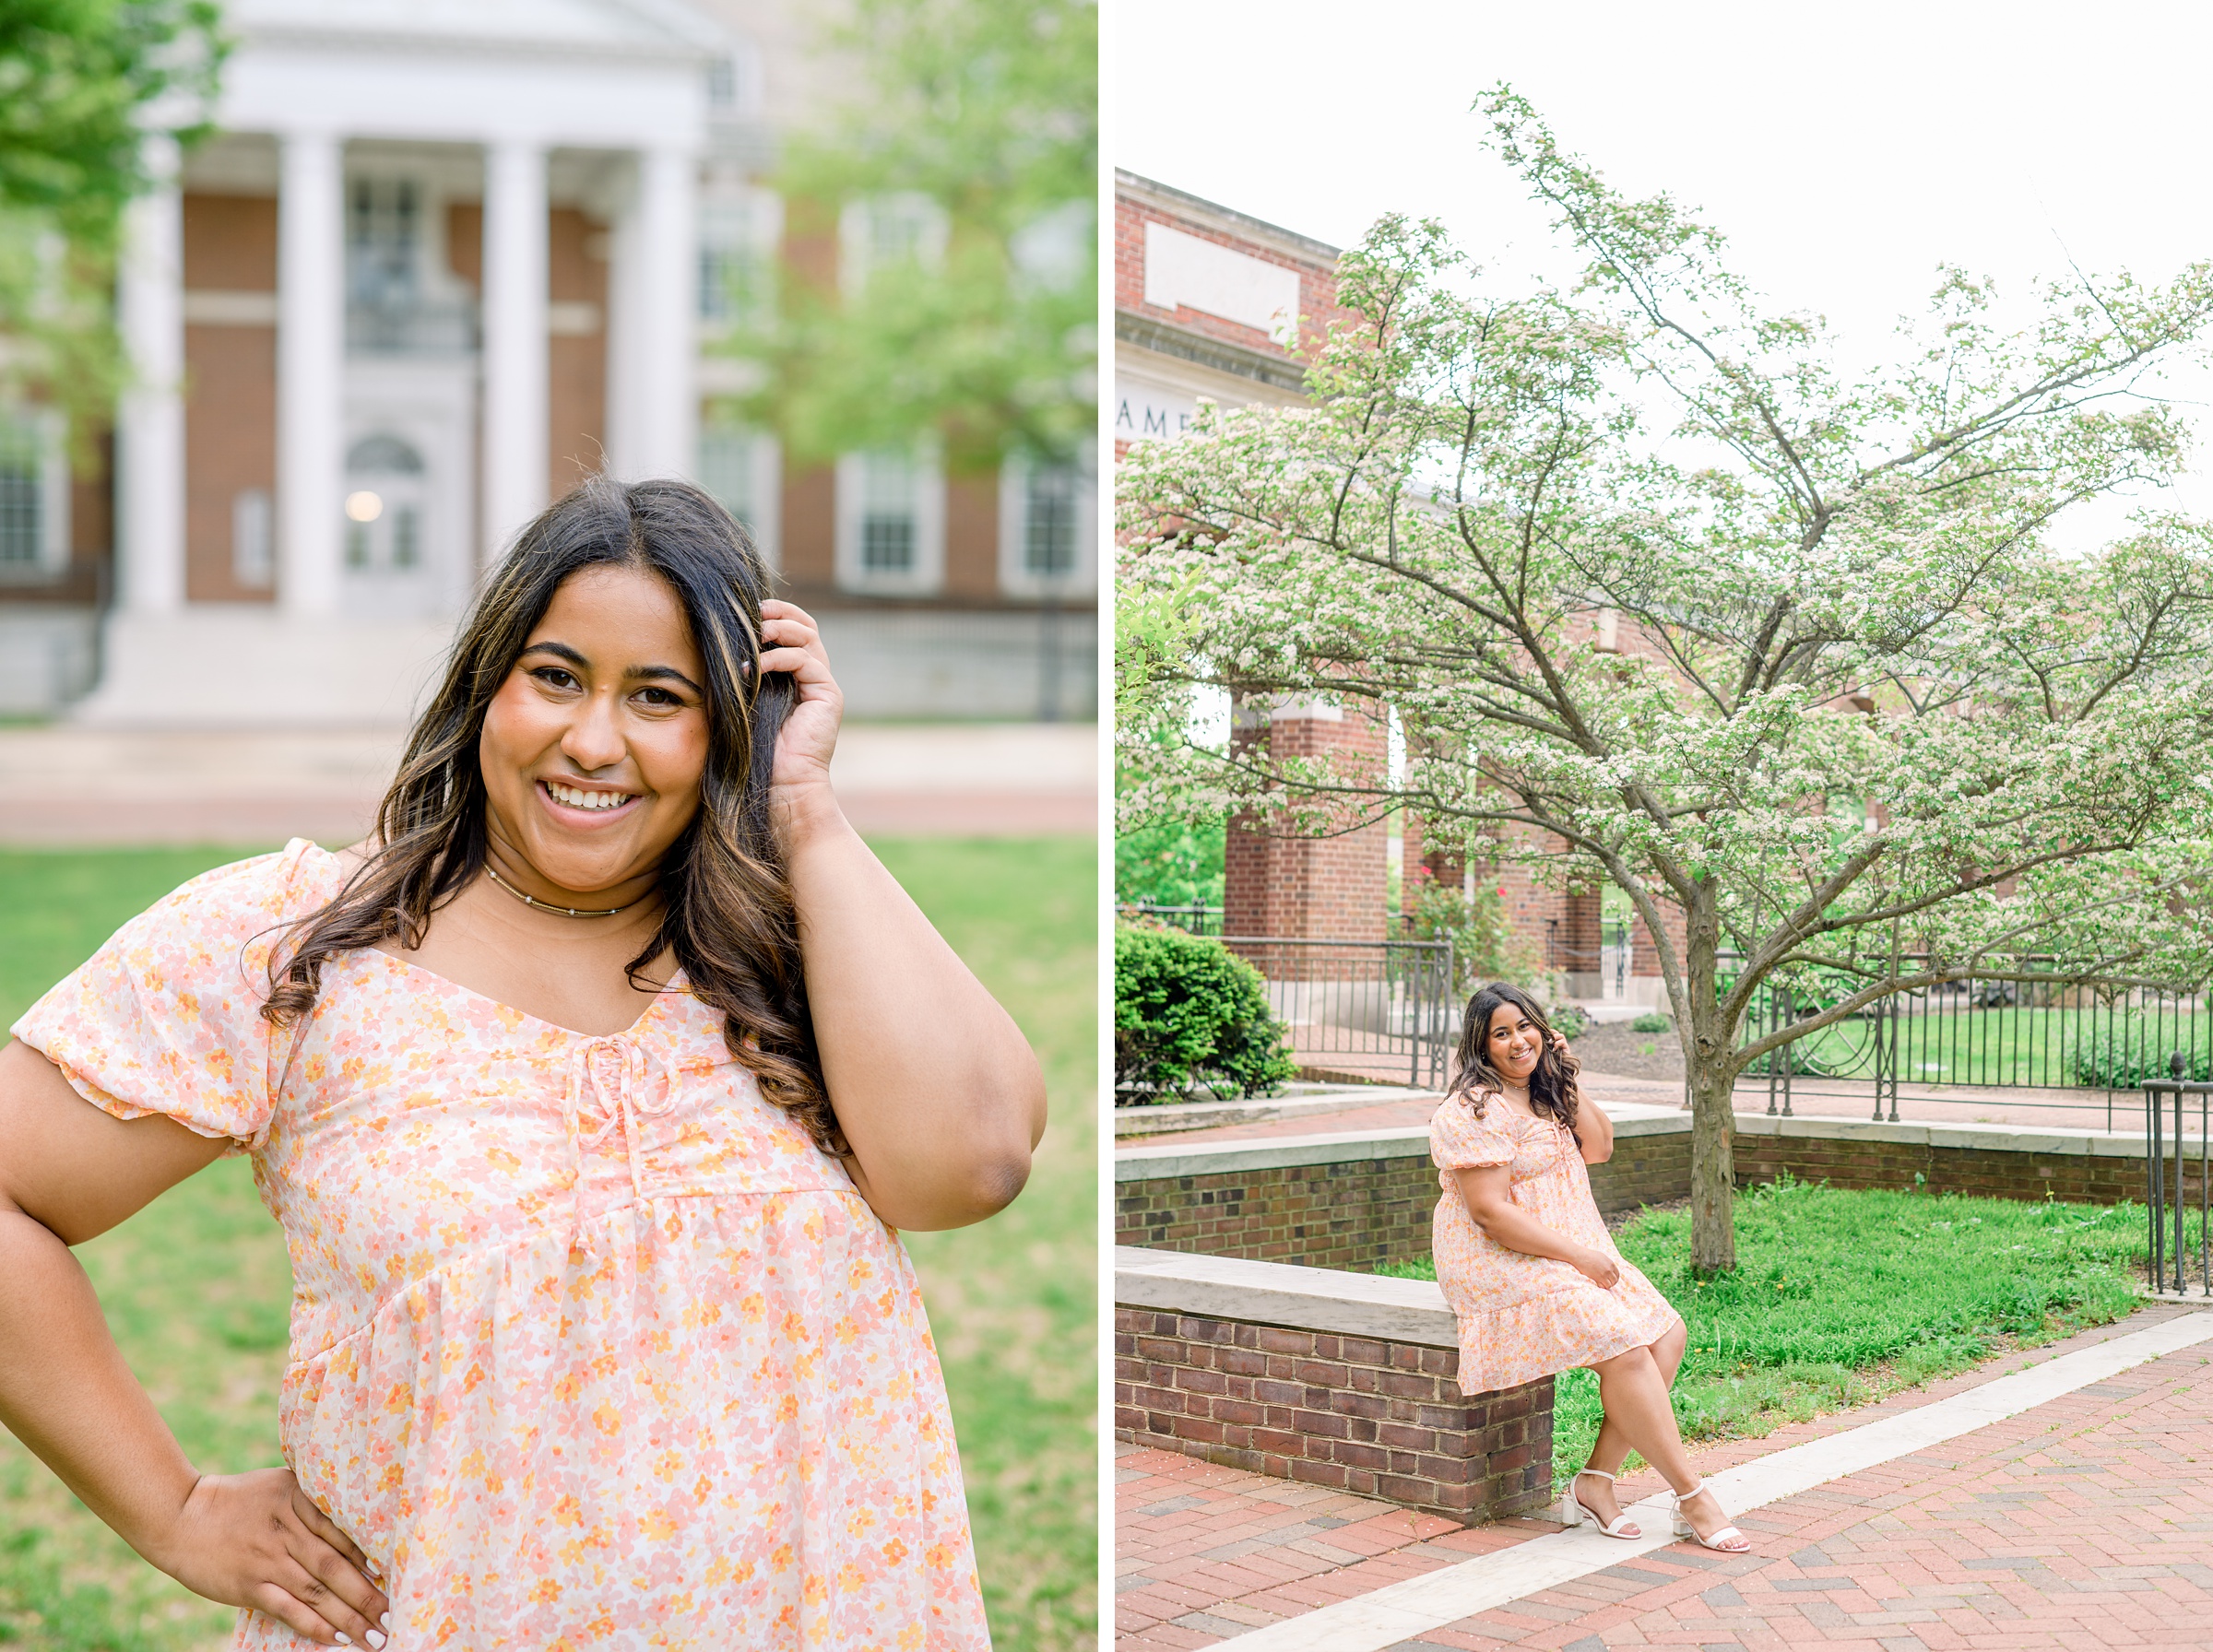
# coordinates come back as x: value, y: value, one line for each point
x: 1374, y: 1418
x: 1357, y: 1204
x: 1354, y: 1214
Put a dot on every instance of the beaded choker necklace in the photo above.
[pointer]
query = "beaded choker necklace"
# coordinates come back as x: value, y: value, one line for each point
x: 566, y: 912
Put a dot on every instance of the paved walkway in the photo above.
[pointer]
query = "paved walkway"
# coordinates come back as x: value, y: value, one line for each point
x: 2051, y: 1109
x: 2085, y: 1521
x: 67, y: 785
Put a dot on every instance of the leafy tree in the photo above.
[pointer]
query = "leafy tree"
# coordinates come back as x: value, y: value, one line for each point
x: 81, y: 83
x: 986, y: 109
x: 1170, y: 863
x: 1650, y: 581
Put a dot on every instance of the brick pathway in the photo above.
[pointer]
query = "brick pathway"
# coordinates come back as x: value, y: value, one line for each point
x: 2085, y: 1522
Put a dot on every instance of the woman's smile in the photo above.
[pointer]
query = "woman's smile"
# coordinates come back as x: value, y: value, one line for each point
x: 598, y: 803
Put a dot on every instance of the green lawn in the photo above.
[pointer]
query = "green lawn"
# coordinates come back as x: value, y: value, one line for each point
x: 196, y: 1285
x: 1841, y: 1296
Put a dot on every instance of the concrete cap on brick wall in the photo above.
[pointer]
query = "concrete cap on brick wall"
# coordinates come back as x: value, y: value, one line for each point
x: 1344, y: 1147
x: 1309, y: 1299
x: 1337, y: 1147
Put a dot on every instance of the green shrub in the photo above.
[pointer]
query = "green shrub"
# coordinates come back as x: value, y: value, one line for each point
x: 2123, y: 1055
x: 1568, y: 1022
x: 1652, y: 1021
x: 1191, y: 1014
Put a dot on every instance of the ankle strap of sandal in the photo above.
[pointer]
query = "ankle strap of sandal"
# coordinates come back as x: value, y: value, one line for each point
x: 1692, y: 1492
x: 1600, y: 1473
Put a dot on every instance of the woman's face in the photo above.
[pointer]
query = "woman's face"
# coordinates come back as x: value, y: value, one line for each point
x: 593, y: 748
x: 1512, y: 1045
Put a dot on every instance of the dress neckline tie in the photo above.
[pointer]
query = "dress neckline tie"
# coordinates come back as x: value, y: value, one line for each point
x: 622, y: 1105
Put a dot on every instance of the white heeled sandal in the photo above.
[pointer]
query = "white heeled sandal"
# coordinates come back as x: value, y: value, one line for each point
x: 1720, y: 1541
x: 1574, y: 1511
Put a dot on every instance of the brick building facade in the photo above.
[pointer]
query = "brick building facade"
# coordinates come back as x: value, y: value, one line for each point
x: 435, y: 265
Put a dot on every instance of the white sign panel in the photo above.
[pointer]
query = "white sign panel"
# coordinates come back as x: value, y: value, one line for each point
x: 1143, y: 411
x: 1183, y: 270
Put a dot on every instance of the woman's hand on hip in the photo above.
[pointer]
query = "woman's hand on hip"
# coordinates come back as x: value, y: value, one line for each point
x: 1600, y: 1268
x: 257, y: 1540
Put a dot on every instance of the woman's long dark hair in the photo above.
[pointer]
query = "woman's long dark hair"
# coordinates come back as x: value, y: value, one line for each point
x: 1552, y: 1093
x: 728, y: 915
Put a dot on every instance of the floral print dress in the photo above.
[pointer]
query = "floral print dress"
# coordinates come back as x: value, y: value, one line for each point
x: 590, y: 1346
x: 1524, y: 1316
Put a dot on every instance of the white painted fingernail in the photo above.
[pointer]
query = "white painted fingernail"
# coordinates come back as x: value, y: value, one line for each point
x: 344, y: 1639
x: 376, y: 1642
x: 384, y: 1622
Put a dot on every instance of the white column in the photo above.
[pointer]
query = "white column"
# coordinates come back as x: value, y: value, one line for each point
x: 149, y: 471
x: 310, y: 371
x: 653, y: 398
x: 515, y: 412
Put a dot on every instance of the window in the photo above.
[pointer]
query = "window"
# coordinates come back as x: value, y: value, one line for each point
x: 743, y: 469
x: 22, y: 527
x: 885, y: 234
x: 891, y: 523
x: 34, y: 495
x: 384, y: 228
x: 253, y: 554
x: 1053, y: 250
x: 739, y: 235
x: 1047, y: 535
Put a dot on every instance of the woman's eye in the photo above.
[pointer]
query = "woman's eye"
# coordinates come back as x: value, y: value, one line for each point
x: 553, y: 677
x: 660, y: 697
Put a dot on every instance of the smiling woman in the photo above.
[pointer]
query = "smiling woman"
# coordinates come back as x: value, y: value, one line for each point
x: 589, y: 1091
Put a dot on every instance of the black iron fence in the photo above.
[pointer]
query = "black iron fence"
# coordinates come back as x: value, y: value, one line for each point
x: 1371, y: 1009
x: 1192, y: 920
x: 2164, y: 1158
x: 1979, y: 1032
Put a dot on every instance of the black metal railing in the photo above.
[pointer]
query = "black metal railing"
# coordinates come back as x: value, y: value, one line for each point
x: 2168, y: 1263
x: 1191, y: 920
x: 1983, y: 1033
x: 1380, y: 1009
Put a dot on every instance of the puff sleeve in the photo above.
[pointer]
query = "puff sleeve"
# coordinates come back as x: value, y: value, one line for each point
x: 166, y: 1017
x: 1458, y: 1141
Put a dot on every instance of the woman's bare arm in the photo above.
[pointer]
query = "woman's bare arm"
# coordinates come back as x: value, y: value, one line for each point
x: 68, y: 1172
x: 937, y: 1091
x: 938, y: 1094
x: 1485, y: 1189
x: 1594, y: 1132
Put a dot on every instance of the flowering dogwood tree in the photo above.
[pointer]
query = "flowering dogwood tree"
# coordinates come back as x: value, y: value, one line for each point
x: 1661, y: 596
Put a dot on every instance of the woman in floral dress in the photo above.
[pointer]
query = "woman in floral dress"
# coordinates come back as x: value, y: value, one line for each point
x: 589, y: 1092
x: 1525, y: 1259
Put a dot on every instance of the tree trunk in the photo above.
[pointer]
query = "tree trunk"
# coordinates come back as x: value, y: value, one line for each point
x: 1712, y: 1167
x: 1712, y: 1098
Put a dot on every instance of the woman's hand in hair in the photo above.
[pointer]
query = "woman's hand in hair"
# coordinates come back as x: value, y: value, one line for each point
x: 810, y: 733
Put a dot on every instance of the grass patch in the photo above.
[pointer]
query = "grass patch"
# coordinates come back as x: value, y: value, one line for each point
x: 197, y: 1286
x: 1841, y: 1296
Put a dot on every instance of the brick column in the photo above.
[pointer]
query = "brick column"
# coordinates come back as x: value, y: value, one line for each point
x: 1320, y: 887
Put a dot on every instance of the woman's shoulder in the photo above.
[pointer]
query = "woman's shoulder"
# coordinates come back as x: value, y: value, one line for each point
x: 279, y: 887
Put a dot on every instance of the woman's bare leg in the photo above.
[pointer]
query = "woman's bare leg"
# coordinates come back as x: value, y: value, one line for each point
x: 1635, y: 1397
x: 1611, y: 1449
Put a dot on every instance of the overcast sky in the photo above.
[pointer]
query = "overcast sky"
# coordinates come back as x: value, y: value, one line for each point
x: 1845, y: 150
